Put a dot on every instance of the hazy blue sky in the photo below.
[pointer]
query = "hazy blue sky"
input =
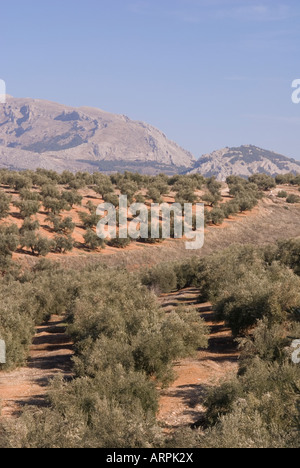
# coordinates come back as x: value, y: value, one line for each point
x: 209, y: 73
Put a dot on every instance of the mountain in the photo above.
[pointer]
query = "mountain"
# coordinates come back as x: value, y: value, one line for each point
x: 36, y: 133
x: 244, y: 161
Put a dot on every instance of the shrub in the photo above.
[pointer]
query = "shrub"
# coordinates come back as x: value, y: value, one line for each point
x: 160, y: 184
x: 103, y: 185
x: 288, y: 253
x: 139, y: 198
x: 213, y: 186
x: 207, y: 217
x: 55, y: 206
x: 63, y: 244
x: 128, y: 188
x: 29, y: 225
x: 16, y: 327
x: 120, y: 243
x: 20, y: 182
x: 28, y: 195
x: 132, y: 317
x: 185, y: 196
x: 50, y: 191
x: 296, y: 180
x: 92, y: 241
x: 154, y: 195
x: 72, y: 198
x: 284, y: 179
x: 64, y: 225
x: 230, y: 208
x: 9, y: 241
x: 4, y: 205
x: 89, y: 220
x: 37, y: 244
x: 162, y: 278
x: 246, y: 202
x: 112, y: 199
x: 282, y: 194
x: 263, y: 181
x: 211, y: 199
x: 271, y: 293
x: 293, y: 199
x: 27, y: 208
x: 217, y: 215
x: 91, y: 207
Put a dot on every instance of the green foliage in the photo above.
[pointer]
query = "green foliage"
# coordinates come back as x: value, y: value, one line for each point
x: 92, y: 241
x: 282, y: 194
x: 154, y: 195
x: 103, y: 184
x: 9, y: 241
x: 91, y: 207
x: 63, y: 244
x: 50, y: 191
x: 27, y: 300
x: 288, y: 253
x: 29, y: 225
x: 284, y: 179
x: 132, y: 318
x: 19, y: 182
x: 213, y: 186
x: 217, y: 215
x: 65, y: 225
x: 120, y: 243
x: 27, y: 208
x: 139, y: 198
x: 128, y: 188
x: 185, y: 195
x: 89, y: 220
x: 263, y: 181
x: 293, y: 199
x: 210, y: 199
x: 4, y: 205
x: 162, y: 278
x: 38, y: 245
x: 123, y: 343
x: 72, y: 198
x: 112, y: 199
x: 28, y: 195
x: 160, y: 183
x: 245, y: 289
x: 55, y: 206
x: 183, y: 182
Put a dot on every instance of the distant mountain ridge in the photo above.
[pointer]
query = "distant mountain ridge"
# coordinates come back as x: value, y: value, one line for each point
x: 244, y: 161
x: 41, y: 134
x: 36, y: 133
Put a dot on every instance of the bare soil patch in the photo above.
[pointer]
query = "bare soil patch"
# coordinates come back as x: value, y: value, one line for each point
x: 182, y: 403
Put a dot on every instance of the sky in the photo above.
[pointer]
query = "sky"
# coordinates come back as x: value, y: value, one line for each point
x: 208, y: 73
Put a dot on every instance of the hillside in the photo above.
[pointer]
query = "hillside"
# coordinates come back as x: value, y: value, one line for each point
x: 36, y: 133
x: 244, y: 161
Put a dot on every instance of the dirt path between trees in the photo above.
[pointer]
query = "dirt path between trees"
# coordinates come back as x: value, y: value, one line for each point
x: 50, y: 355
x: 182, y: 403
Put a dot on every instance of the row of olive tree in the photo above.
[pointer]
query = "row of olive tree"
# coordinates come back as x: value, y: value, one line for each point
x: 124, y: 349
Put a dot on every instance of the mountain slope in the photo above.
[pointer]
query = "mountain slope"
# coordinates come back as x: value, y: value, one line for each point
x: 36, y: 133
x: 244, y: 161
